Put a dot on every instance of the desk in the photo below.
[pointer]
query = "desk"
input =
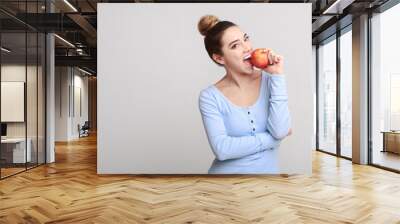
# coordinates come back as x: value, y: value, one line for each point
x: 391, y: 141
x: 15, y: 148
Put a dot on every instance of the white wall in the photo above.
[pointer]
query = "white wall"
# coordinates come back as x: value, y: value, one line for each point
x: 67, y: 80
x: 152, y: 66
x: 61, y: 103
x: 80, y: 83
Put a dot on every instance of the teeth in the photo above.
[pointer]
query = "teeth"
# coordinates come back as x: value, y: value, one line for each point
x: 247, y: 57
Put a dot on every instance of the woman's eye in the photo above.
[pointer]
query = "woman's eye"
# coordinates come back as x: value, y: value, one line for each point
x: 234, y: 46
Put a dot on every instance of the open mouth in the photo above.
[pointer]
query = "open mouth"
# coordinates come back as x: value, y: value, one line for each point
x: 246, y: 60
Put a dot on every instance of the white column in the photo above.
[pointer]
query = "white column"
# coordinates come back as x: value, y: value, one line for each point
x: 50, y: 110
x: 50, y: 91
x: 360, y: 90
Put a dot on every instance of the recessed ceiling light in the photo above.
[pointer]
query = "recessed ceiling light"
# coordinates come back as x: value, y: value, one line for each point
x: 70, y: 5
x: 64, y: 40
x: 84, y: 71
x: 337, y: 7
x: 5, y: 49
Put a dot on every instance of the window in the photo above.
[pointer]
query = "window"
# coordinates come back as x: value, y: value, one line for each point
x: 327, y: 96
x: 385, y: 88
x: 346, y: 93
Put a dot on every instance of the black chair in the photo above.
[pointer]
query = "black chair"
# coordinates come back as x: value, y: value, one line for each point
x: 84, y: 130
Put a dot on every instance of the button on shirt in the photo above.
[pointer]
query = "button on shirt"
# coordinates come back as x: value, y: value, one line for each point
x: 245, y: 139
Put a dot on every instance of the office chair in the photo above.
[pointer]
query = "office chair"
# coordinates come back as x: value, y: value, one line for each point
x: 84, y: 130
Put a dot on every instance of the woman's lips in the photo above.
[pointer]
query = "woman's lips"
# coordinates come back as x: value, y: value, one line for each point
x: 246, y: 57
x: 248, y: 63
x: 246, y: 60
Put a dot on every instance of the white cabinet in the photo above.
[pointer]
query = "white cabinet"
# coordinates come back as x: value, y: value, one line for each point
x: 18, y: 149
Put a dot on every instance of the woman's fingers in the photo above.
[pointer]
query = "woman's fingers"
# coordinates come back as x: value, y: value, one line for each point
x: 266, y: 49
x: 279, y: 58
x: 273, y: 58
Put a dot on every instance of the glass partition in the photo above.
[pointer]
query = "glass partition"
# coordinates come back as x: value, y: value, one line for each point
x: 14, y: 154
x: 22, y: 77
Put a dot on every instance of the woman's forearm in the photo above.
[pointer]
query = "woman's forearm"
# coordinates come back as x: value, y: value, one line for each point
x: 227, y: 147
x: 279, y: 120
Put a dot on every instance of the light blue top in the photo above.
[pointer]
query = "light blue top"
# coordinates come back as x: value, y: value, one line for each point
x: 245, y: 140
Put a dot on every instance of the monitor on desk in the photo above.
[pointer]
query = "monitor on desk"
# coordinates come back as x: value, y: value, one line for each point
x: 3, y: 130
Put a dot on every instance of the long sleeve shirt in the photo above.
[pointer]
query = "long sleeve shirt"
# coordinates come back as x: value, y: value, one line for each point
x: 245, y: 140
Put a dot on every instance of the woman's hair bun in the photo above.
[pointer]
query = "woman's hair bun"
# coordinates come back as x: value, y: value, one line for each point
x: 206, y: 23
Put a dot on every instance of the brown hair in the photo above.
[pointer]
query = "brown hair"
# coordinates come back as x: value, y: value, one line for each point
x: 213, y: 29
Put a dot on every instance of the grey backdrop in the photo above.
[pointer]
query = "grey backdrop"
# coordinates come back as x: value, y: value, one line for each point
x: 152, y: 65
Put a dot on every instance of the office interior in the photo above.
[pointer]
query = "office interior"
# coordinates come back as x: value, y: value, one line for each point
x: 48, y: 84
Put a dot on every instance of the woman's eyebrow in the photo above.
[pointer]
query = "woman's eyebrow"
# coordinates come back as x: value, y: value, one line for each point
x: 233, y: 42
x: 245, y: 35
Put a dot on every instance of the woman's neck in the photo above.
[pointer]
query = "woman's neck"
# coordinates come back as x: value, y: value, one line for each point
x: 241, y: 80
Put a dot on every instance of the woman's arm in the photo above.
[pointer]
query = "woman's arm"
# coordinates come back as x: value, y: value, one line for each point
x: 279, y: 121
x: 224, y: 146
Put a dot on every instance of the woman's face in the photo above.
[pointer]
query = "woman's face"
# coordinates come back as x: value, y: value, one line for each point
x: 236, y: 46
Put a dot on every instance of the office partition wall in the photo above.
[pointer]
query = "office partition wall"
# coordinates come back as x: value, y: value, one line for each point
x: 153, y: 65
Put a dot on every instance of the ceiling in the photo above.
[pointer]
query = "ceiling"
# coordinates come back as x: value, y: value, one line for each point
x: 76, y: 22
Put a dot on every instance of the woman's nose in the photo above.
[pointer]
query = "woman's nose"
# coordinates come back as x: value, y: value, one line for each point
x: 247, y: 47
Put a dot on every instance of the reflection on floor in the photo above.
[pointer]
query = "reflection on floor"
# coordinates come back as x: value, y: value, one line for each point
x: 347, y: 152
x: 71, y: 191
x: 11, y: 169
x: 386, y: 159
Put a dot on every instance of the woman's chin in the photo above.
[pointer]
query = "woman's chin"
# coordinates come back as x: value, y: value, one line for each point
x: 249, y: 70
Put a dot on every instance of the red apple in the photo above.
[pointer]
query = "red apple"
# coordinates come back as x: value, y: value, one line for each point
x: 259, y: 58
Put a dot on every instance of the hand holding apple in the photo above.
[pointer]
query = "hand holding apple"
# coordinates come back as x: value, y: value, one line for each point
x: 267, y: 60
x: 259, y: 58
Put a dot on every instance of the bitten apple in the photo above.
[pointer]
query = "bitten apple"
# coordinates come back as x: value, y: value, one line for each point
x: 259, y: 58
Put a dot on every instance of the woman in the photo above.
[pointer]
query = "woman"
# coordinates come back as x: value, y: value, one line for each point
x: 245, y: 114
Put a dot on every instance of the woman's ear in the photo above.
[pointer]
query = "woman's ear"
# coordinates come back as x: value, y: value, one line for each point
x: 218, y: 58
